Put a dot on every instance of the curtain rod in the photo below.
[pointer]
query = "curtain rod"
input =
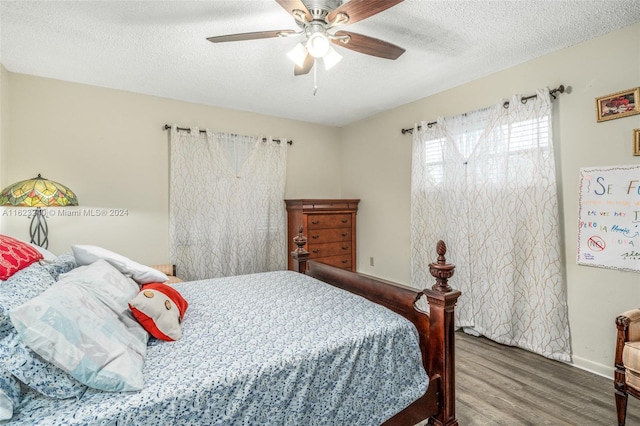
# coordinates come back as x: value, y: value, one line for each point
x: 559, y: 89
x: 186, y: 129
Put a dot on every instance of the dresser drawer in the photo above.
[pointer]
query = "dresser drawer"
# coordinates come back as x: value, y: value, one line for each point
x: 329, y: 226
x: 330, y: 205
x: 318, y: 236
x: 329, y: 249
x: 343, y: 262
x: 321, y: 221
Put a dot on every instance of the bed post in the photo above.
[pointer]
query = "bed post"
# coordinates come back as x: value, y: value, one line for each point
x: 442, y: 300
x: 300, y: 255
x: 436, y: 329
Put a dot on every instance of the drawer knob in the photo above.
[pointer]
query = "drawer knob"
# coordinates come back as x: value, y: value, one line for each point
x: 345, y: 261
x: 345, y: 220
x: 345, y: 247
x: 316, y: 251
x: 315, y: 222
x: 344, y: 234
x: 315, y: 237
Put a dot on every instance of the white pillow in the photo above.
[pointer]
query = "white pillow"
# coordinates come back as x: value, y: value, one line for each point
x: 82, y: 325
x: 9, y: 395
x: 47, y: 256
x: 6, y: 406
x: 86, y: 255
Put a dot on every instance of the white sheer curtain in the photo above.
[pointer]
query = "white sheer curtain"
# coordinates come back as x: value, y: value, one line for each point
x: 484, y: 182
x: 227, y: 214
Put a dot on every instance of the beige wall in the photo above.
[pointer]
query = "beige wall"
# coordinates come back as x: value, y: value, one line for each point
x: 3, y: 121
x: 3, y: 126
x: 110, y: 148
x: 379, y: 159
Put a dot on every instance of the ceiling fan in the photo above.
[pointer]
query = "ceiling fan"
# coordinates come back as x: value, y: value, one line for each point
x: 315, y: 18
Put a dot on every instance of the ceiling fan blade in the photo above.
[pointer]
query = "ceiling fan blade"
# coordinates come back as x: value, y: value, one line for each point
x: 306, y: 66
x: 369, y: 45
x: 291, y: 5
x: 248, y: 36
x: 357, y: 10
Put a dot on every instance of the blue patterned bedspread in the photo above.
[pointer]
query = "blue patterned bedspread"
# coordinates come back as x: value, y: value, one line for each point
x: 277, y: 348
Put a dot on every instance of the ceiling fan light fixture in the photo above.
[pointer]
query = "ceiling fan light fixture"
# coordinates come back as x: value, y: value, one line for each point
x: 314, y: 19
x: 331, y: 58
x: 298, y: 54
x: 318, y: 45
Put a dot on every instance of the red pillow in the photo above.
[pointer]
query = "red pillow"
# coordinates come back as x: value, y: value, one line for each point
x: 15, y: 255
x: 159, y: 308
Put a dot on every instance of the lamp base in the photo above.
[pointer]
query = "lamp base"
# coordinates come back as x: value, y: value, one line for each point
x: 39, y: 230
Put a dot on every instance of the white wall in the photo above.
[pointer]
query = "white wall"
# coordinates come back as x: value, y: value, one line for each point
x: 379, y: 161
x: 109, y: 147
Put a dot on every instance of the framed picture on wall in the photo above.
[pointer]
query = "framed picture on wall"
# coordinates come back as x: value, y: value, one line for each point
x: 618, y: 105
x: 636, y: 141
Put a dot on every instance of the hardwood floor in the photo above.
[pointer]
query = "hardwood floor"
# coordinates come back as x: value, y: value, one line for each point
x: 501, y: 385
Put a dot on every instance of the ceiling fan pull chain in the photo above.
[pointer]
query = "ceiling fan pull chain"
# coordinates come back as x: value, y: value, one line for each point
x: 315, y: 80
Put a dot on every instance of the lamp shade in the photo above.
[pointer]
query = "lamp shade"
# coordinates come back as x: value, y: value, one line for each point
x: 318, y: 44
x: 331, y: 58
x: 298, y: 54
x: 38, y: 192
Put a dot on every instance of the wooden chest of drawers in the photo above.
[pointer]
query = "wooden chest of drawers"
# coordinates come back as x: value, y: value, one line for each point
x: 330, y: 228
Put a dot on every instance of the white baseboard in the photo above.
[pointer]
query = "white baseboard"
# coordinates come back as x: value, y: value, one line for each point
x: 593, y: 367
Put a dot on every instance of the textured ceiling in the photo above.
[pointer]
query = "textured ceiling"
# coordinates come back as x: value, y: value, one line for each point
x: 160, y: 48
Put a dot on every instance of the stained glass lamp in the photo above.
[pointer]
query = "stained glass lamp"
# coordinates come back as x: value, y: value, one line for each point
x: 38, y: 192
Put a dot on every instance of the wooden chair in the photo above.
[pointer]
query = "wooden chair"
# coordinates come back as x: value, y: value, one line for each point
x: 627, y: 361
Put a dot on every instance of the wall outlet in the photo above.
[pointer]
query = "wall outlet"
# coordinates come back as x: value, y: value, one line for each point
x: 371, y: 261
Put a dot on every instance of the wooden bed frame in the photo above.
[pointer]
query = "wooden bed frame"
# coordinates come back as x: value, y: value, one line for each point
x: 435, y: 329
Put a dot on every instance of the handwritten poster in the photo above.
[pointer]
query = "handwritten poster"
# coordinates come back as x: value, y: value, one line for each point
x: 609, y: 218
